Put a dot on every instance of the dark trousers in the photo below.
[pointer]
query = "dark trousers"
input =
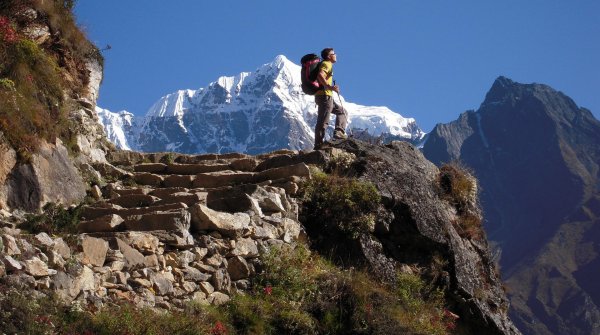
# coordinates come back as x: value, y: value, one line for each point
x: 326, y: 106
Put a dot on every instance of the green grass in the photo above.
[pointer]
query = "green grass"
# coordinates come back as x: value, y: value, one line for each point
x: 347, y: 205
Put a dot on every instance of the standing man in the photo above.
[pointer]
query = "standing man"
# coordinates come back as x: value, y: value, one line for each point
x: 325, y: 103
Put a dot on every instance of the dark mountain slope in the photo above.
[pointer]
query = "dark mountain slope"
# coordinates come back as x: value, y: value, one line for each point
x: 537, y: 157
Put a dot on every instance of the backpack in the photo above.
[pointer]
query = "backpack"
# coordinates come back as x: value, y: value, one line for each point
x: 310, y: 70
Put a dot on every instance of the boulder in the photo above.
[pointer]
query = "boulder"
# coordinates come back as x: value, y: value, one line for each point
x: 10, y: 245
x: 162, y: 284
x: 94, y: 250
x: 144, y: 178
x: 218, y: 298
x: 206, y: 287
x: 238, y: 268
x: 61, y: 248
x: 204, y: 218
x: 105, y: 223
x: 11, y: 264
x: 50, y: 176
x: 176, y: 220
x: 246, y: 248
x: 133, y: 258
x: 36, y: 267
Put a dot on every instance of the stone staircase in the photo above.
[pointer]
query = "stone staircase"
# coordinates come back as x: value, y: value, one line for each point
x: 168, y: 228
x: 190, y: 227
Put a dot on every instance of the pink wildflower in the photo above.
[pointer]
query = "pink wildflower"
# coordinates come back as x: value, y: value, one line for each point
x: 219, y: 329
x: 268, y: 290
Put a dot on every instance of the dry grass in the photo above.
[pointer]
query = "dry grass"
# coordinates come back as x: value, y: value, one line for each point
x: 458, y: 187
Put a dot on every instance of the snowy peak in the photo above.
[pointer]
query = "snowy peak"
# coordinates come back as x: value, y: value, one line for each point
x: 252, y: 112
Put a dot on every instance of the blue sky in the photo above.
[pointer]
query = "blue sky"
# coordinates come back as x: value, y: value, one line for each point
x: 430, y: 60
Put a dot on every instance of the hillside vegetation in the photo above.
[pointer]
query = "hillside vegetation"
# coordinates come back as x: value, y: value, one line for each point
x: 42, y: 71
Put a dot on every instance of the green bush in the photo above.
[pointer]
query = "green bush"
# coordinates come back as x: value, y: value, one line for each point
x: 347, y: 204
x: 55, y: 219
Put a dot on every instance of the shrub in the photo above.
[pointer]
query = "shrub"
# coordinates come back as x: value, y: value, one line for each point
x: 38, y: 80
x: 346, y: 204
x: 54, y: 219
x: 458, y: 187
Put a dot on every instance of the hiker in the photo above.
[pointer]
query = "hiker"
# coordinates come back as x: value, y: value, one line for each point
x: 326, y: 104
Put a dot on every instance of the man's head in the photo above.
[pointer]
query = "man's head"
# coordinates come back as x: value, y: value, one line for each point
x: 328, y: 54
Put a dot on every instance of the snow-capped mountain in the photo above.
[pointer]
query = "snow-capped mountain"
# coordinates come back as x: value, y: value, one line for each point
x: 253, y: 112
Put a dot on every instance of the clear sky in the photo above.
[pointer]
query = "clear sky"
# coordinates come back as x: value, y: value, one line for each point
x: 426, y: 59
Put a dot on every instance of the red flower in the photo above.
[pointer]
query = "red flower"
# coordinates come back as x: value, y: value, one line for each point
x: 219, y: 329
x: 9, y: 35
x: 4, y: 22
x: 268, y: 290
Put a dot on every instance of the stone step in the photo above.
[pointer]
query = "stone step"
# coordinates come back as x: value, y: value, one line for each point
x: 222, y: 178
x: 130, y: 158
x: 184, y: 197
x: 102, y: 209
x: 194, y: 169
x: 134, y: 200
x: 166, y: 191
x: 175, y: 220
x: 131, y: 191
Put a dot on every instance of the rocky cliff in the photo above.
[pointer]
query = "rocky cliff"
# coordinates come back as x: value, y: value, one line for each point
x: 537, y: 156
x: 50, y: 80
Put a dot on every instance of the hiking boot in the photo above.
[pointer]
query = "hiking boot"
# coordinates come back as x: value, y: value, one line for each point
x: 339, y: 135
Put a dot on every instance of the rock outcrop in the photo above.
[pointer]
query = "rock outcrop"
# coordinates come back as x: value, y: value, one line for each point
x: 415, y: 226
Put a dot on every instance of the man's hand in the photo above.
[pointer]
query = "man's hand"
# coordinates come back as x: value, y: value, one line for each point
x: 335, y: 88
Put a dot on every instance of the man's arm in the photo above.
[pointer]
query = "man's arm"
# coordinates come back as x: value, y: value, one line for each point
x: 321, y: 77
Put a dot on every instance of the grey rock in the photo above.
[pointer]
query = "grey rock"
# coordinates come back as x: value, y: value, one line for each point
x: 218, y: 298
x: 133, y: 259
x: 206, y: 287
x: 174, y: 220
x: 49, y: 177
x: 10, y: 245
x: 94, y: 250
x: 35, y: 267
x: 102, y: 224
x: 245, y: 248
x: 11, y: 264
x: 193, y: 274
x: 204, y: 218
x: 238, y: 268
x: 162, y: 284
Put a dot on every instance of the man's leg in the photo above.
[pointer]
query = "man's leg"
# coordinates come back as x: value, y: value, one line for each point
x: 325, y: 105
x: 341, y: 120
